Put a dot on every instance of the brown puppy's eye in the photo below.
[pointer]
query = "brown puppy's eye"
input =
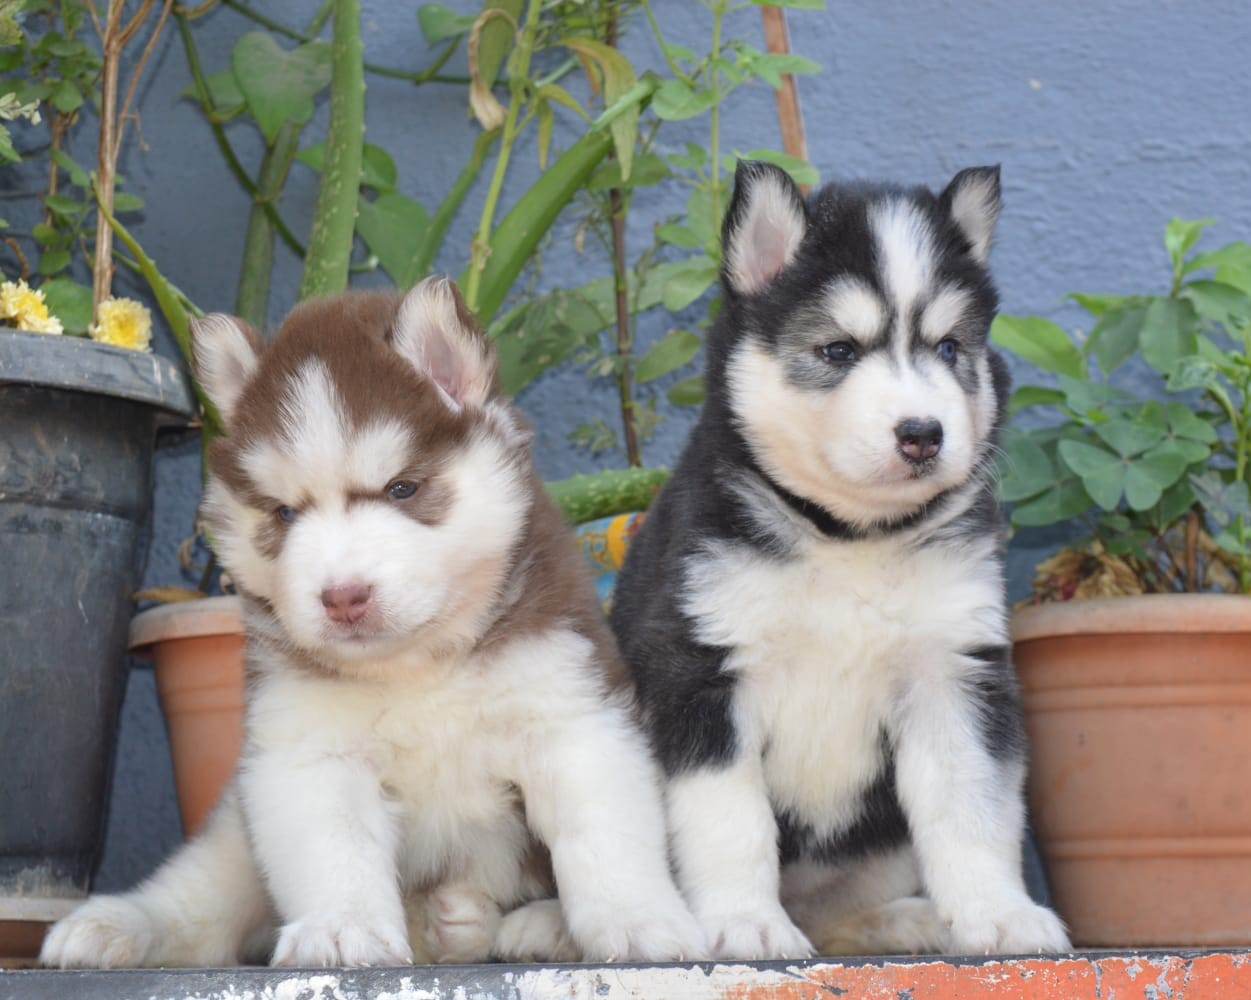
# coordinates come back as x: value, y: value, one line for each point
x: 287, y: 514
x: 401, y: 489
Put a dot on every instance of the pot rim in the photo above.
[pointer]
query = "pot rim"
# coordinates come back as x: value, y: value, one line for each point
x: 185, y: 620
x: 79, y: 364
x: 1144, y: 614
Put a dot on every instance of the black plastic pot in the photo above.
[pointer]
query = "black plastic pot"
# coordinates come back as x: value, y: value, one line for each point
x: 78, y: 427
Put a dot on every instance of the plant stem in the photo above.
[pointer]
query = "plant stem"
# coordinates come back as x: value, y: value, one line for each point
x: 334, y: 216
x: 106, y: 159
x: 518, y: 72
x: 428, y: 75
x: 714, y: 115
x: 617, y: 206
x: 219, y: 134
x: 674, y: 68
x: 252, y: 298
x: 432, y: 239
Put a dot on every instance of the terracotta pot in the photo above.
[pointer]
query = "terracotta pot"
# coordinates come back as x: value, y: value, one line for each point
x: 197, y: 651
x: 1139, y: 717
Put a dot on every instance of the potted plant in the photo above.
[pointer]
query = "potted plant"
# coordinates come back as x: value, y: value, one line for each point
x: 1135, y: 651
x: 80, y: 415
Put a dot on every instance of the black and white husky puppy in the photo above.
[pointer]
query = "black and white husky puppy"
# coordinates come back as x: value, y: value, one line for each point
x: 814, y: 611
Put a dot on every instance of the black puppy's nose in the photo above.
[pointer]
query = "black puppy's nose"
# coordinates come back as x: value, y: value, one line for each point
x: 919, y: 439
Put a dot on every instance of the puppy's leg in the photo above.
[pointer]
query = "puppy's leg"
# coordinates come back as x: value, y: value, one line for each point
x: 725, y: 842
x: 536, y: 932
x: 204, y: 907
x: 960, y: 771
x: 326, y: 842
x: 869, y: 906
x: 592, y: 795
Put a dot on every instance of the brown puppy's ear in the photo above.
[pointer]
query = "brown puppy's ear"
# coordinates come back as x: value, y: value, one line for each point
x: 437, y: 333
x: 973, y: 200
x: 764, y: 226
x: 225, y: 351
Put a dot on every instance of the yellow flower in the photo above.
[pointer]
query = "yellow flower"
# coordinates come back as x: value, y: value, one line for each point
x: 23, y: 307
x: 123, y: 323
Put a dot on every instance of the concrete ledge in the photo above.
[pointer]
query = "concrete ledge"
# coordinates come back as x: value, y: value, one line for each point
x: 1150, y: 976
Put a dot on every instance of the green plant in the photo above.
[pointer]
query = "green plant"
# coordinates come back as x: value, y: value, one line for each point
x: 50, y: 71
x: 1159, y: 477
x: 595, y: 323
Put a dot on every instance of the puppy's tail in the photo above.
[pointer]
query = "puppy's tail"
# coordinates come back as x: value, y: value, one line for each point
x: 204, y: 907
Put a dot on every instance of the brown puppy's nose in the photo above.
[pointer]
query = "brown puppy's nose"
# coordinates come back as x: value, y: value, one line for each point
x: 919, y: 439
x: 347, y: 603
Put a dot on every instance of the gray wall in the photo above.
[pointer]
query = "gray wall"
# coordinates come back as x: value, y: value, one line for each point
x: 1108, y: 118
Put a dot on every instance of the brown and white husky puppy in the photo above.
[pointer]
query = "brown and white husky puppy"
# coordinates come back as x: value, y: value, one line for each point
x: 437, y: 717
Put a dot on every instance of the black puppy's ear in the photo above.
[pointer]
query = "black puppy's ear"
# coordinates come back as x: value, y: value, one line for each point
x: 972, y: 198
x: 763, y: 227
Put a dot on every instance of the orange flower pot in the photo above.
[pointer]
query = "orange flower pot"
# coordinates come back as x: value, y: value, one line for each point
x: 1139, y: 718
x: 197, y: 652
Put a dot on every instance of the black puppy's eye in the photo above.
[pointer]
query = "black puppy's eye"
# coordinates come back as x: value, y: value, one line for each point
x: 286, y: 514
x: 841, y: 352
x: 401, y: 489
x: 948, y: 350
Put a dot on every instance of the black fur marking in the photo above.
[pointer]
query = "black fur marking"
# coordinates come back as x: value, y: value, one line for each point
x: 881, y: 825
x: 998, y: 698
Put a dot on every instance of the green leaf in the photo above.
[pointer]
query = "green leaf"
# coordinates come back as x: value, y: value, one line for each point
x: 693, y: 159
x: 377, y: 168
x: 1232, y: 264
x: 678, y: 53
x: 124, y: 201
x: 53, y: 261
x: 619, y: 77
x: 677, y: 235
x: 1097, y: 305
x: 392, y: 226
x: 801, y: 171
x: 63, y: 204
x: 547, y: 121
x: 771, y: 66
x: 1062, y: 502
x: 1026, y: 468
x: 1177, y: 499
x: 1040, y: 342
x: 689, y: 283
x: 67, y: 98
x: 1115, y: 337
x: 1168, y: 333
x: 77, y: 175
x: 1147, y: 476
x: 1218, y: 301
x: 676, y: 100
x: 555, y: 94
x: 69, y: 302
x: 688, y: 392
x: 438, y: 23
x: 1103, y: 474
x: 669, y: 353
x: 1033, y: 395
x: 224, y: 93
x: 279, y: 85
x: 1180, y: 235
x: 1186, y: 424
x: 1129, y: 437
x: 649, y: 168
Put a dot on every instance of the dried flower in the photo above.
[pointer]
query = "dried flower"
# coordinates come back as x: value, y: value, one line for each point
x: 23, y: 307
x: 123, y: 323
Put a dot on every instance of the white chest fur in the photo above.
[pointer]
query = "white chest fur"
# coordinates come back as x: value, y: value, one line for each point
x: 446, y: 748
x: 824, y: 640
